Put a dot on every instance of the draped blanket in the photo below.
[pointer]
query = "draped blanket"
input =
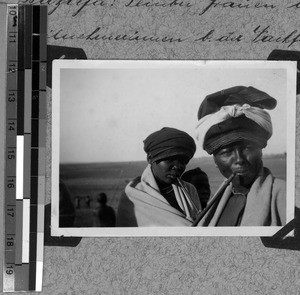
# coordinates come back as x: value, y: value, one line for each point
x: 143, y: 205
x: 265, y: 206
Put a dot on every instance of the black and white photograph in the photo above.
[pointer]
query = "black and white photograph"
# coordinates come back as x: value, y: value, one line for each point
x: 172, y: 148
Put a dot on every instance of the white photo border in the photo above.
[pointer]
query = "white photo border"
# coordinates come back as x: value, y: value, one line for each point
x: 261, y: 231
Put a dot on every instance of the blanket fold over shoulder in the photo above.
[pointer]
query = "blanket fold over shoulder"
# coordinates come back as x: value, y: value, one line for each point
x: 143, y: 205
x: 265, y: 206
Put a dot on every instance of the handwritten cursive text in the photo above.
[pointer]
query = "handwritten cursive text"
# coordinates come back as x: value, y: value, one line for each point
x: 263, y: 35
x: 98, y: 35
x: 233, y: 4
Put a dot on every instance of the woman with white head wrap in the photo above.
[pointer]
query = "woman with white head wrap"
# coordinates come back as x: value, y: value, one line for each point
x: 234, y: 126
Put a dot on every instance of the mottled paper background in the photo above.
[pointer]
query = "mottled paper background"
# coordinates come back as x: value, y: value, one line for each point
x: 175, y: 30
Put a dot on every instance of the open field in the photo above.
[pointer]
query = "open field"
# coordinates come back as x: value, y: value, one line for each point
x: 111, y: 178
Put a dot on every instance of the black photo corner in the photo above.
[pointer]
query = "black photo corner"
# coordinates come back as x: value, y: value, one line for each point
x: 280, y: 240
x: 66, y: 214
x: 61, y: 52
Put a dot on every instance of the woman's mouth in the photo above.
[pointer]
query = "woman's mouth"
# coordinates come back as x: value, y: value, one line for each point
x: 173, y: 176
x: 241, y: 171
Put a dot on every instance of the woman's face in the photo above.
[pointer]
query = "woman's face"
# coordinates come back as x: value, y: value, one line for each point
x: 169, y: 169
x: 242, y: 158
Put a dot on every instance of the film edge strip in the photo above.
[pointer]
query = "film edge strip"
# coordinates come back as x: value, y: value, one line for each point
x: 25, y: 167
x: 10, y: 149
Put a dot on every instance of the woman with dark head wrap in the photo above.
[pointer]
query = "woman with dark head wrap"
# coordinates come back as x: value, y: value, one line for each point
x: 234, y: 126
x: 159, y: 197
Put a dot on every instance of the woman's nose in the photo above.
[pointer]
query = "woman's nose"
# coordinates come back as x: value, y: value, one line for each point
x: 239, y: 156
x: 179, y: 165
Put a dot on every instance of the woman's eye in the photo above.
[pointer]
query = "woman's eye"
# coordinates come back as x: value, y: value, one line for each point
x: 225, y: 152
x: 250, y: 148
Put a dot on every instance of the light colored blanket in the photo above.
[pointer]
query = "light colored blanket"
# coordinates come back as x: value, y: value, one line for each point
x: 265, y: 206
x: 143, y: 205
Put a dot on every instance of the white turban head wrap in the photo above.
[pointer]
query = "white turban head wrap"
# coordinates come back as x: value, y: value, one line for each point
x: 236, y: 122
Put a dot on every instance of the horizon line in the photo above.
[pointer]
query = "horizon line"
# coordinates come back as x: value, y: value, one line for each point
x: 127, y: 161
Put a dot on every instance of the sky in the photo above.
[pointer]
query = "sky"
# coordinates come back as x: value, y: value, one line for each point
x: 107, y: 109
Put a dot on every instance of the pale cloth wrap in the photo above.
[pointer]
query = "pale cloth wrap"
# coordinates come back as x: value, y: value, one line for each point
x: 152, y: 209
x: 265, y: 206
x: 258, y: 115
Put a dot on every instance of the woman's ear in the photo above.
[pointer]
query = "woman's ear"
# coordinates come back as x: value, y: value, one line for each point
x: 215, y: 162
x: 149, y: 158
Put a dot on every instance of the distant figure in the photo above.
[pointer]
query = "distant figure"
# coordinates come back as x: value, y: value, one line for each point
x: 88, y: 201
x: 199, y: 179
x: 66, y: 208
x: 77, y: 202
x: 106, y: 214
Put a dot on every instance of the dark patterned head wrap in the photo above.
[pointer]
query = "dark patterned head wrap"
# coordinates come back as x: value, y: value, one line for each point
x: 169, y: 142
x: 232, y: 115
